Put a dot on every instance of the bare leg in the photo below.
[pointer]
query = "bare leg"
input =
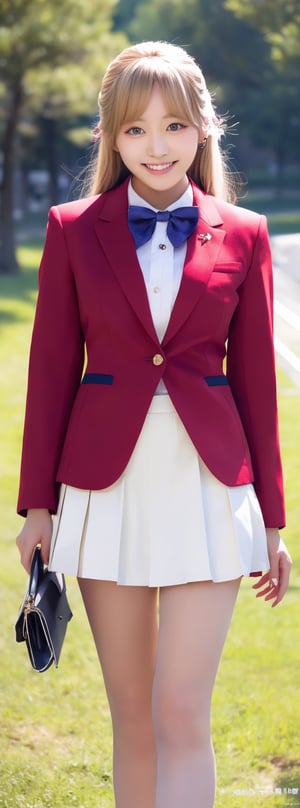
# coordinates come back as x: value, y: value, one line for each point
x: 124, y: 624
x: 194, y: 620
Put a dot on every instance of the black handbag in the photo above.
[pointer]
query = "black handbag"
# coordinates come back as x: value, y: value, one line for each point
x: 44, y: 615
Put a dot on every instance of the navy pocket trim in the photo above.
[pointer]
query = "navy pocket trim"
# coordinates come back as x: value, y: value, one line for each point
x: 97, y: 378
x: 216, y: 381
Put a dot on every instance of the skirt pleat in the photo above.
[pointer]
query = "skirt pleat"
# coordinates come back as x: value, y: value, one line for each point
x: 167, y: 520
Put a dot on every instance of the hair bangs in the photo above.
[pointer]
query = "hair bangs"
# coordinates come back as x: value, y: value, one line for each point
x: 134, y: 90
x: 134, y: 93
x: 178, y: 100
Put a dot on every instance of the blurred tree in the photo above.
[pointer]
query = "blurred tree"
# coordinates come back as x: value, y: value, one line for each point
x: 278, y: 118
x: 161, y: 19
x: 123, y: 13
x: 271, y: 18
x: 51, y: 59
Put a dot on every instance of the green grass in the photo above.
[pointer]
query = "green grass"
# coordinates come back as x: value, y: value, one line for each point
x: 55, y: 736
x: 283, y: 212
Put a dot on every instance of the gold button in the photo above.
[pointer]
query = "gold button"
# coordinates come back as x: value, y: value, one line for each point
x: 157, y: 359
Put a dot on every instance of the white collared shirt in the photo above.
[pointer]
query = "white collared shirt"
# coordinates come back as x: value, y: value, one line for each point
x: 161, y: 263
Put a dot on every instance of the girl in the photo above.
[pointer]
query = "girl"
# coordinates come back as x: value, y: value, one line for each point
x: 162, y: 468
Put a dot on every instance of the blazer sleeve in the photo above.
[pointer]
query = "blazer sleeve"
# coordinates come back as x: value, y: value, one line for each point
x: 55, y: 369
x: 251, y: 374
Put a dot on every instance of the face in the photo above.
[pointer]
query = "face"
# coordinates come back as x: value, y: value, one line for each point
x: 158, y: 149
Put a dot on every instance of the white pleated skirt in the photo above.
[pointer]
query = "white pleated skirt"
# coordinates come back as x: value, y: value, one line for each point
x: 167, y: 520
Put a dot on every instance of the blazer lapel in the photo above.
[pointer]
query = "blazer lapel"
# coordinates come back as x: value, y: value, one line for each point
x: 203, y: 249
x: 118, y: 245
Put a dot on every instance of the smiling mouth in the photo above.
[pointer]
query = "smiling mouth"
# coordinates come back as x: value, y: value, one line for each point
x: 158, y: 166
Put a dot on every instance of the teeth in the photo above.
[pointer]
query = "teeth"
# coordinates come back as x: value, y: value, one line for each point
x: 161, y: 167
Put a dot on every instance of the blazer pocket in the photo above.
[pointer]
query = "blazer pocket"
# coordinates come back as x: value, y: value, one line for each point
x: 232, y: 266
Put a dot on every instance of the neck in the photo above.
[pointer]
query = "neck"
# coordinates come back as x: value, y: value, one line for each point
x: 160, y: 199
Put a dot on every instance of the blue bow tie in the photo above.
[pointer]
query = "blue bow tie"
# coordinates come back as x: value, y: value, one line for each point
x: 181, y: 223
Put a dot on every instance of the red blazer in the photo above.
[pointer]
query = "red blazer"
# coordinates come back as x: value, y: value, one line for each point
x: 92, y: 292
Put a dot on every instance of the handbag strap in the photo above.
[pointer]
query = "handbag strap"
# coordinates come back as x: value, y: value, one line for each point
x: 36, y: 572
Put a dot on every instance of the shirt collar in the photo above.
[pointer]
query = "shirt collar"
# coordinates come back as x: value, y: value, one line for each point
x: 184, y: 201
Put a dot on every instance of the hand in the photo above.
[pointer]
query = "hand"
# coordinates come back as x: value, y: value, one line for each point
x: 37, y: 530
x: 273, y: 585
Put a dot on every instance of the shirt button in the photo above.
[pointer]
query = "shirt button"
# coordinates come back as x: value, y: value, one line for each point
x: 162, y: 246
x: 157, y: 359
x: 156, y: 289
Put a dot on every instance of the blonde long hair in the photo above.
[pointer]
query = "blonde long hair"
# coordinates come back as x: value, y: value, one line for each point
x: 125, y: 93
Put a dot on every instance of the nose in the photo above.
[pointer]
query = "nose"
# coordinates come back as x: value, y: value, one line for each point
x: 157, y: 146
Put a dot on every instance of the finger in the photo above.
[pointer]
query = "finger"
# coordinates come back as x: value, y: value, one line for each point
x: 278, y: 591
x: 26, y: 552
x: 268, y: 587
x: 265, y: 592
x: 274, y: 571
x: 25, y: 561
x: 272, y: 594
x: 283, y: 584
x: 26, y: 558
x: 262, y: 581
x: 45, y: 552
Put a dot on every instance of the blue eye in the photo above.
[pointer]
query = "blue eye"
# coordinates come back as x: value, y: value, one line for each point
x: 135, y: 130
x: 174, y: 127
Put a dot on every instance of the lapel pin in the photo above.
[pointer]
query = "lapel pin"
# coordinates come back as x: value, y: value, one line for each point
x: 205, y: 237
